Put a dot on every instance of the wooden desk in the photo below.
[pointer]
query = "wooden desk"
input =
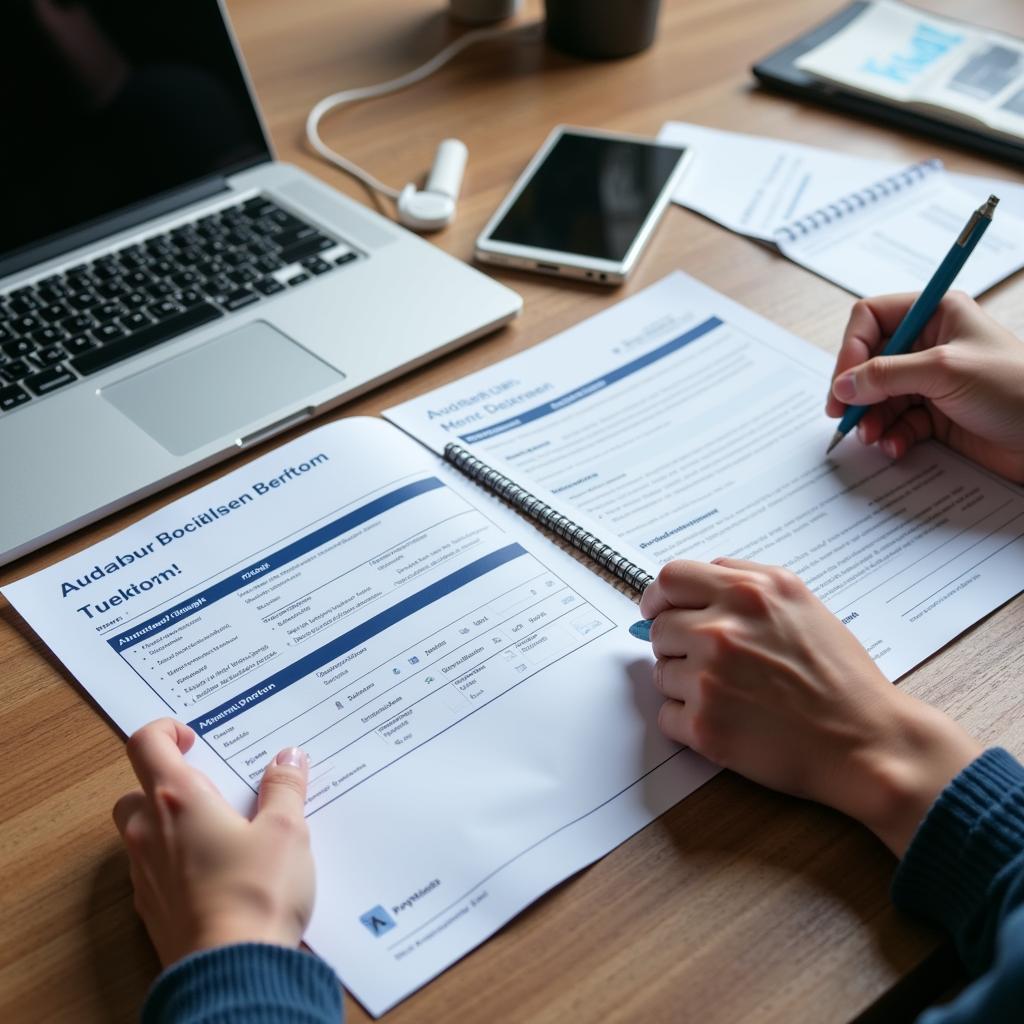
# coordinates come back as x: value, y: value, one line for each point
x: 738, y: 905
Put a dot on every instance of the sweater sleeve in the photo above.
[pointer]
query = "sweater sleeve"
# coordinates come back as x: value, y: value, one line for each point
x: 250, y: 983
x: 964, y: 871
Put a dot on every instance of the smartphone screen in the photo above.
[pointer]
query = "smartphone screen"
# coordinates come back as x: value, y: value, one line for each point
x: 590, y: 196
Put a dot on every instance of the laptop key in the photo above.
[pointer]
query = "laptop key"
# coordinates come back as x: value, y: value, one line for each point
x: 26, y: 324
x: 16, y: 348
x: 53, y: 290
x: 185, y: 279
x: 298, y: 279
x: 49, y: 356
x: 107, y: 311
x: 6, y: 334
x: 134, y: 321
x: 346, y: 257
x: 12, y: 396
x: 160, y: 289
x: 315, y: 265
x: 299, y: 233
x: 308, y: 247
x: 78, y: 344
x: 112, y: 289
x: 108, y: 355
x: 244, y: 275
x: 135, y: 279
x: 84, y: 299
x: 22, y: 303
x: 78, y: 323
x: 239, y: 298
x: 269, y: 263
x: 58, y: 311
x: 135, y: 300
x: 268, y: 286
x: 14, y: 370
x: 44, y: 382
x: 105, y: 271
x: 106, y: 333
x: 47, y: 336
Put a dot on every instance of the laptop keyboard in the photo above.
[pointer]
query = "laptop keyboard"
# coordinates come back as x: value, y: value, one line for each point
x: 91, y: 316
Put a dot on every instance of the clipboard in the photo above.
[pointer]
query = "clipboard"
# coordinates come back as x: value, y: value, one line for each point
x: 778, y: 73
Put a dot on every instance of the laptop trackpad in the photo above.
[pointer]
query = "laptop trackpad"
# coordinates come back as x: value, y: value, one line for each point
x: 220, y: 388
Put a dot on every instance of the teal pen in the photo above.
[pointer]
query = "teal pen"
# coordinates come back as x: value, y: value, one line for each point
x: 641, y: 630
x: 926, y: 303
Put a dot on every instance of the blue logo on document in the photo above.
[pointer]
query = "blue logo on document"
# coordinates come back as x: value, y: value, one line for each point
x: 378, y: 921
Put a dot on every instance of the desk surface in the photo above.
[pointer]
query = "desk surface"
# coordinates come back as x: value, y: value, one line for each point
x: 737, y: 905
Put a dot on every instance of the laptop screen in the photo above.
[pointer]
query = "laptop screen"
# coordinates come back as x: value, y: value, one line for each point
x: 106, y: 103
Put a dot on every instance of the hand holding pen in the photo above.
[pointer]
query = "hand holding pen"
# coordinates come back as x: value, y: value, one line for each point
x: 921, y: 311
x: 961, y: 386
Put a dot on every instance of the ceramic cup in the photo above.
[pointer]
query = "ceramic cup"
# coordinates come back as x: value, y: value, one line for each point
x: 482, y: 12
x: 602, y: 28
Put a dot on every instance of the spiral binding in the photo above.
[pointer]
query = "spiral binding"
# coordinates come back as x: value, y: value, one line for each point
x: 497, y: 483
x: 906, y: 178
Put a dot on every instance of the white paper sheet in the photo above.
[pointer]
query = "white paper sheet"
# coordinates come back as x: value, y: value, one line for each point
x: 679, y: 424
x: 757, y: 186
x: 480, y: 724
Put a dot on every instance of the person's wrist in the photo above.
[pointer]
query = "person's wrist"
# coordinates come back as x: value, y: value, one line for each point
x: 896, y: 779
x: 235, y: 928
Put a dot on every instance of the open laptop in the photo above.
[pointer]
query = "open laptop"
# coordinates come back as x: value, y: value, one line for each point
x: 169, y: 293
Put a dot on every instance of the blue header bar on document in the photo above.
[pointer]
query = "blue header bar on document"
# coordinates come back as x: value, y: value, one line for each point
x: 598, y: 384
x: 248, y: 575
x: 341, y: 645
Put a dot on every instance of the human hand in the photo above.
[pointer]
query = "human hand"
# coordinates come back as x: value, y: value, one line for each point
x: 963, y: 383
x: 204, y: 875
x: 760, y: 677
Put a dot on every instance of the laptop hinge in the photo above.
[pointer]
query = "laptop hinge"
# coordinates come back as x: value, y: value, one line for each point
x: 126, y: 218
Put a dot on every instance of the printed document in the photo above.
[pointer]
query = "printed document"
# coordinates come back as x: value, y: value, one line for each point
x: 868, y: 225
x: 479, y: 722
x: 680, y: 424
x: 910, y: 57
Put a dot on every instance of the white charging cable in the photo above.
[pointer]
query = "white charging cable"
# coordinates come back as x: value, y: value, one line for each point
x: 434, y: 206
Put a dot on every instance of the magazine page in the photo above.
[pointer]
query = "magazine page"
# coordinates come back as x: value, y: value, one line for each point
x: 911, y: 57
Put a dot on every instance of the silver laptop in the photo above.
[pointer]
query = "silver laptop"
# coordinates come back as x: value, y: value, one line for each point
x: 169, y: 294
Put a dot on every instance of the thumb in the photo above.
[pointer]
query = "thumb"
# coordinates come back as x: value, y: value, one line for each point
x: 283, y: 789
x: 917, y: 373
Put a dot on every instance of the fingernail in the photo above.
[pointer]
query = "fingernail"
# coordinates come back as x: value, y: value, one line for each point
x: 862, y: 433
x: 845, y: 387
x: 890, y: 449
x: 293, y: 757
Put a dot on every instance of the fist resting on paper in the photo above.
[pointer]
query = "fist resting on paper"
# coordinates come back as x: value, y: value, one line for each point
x: 759, y: 677
x: 203, y: 875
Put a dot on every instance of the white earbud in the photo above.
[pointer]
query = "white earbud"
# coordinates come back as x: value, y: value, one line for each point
x: 433, y: 208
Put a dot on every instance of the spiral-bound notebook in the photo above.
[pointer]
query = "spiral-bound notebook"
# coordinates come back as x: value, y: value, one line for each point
x: 602, y: 554
x: 864, y: 224
x: 890, y: 235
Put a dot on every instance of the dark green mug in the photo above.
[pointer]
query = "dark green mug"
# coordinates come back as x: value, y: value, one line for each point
x: 601, y: 28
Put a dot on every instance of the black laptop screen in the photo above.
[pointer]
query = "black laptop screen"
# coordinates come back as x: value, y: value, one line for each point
x: 105, y: 103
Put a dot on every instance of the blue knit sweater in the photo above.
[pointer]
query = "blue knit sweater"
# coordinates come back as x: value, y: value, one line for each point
x: 964, y: 871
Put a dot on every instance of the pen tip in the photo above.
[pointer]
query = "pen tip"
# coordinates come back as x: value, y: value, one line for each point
x: 836, y: 438
x: 641, y: 630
